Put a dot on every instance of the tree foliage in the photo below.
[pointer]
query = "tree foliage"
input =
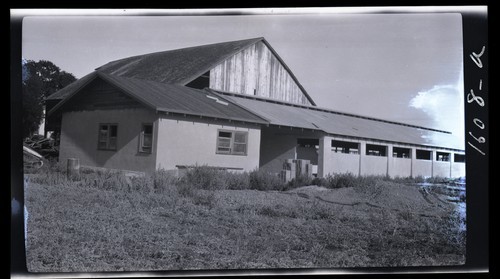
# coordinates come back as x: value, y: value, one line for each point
x: 40, y: 80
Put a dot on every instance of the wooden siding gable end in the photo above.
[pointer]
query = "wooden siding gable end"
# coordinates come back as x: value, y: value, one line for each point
x: 258, y: 70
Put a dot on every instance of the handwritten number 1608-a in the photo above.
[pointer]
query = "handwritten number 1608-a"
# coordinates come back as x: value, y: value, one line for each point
x: 471, y: 97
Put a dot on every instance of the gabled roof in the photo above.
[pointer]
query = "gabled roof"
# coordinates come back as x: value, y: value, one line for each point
x: 178, y: 66
x: 172, y: 98
x: 342, y: 124
x: 72, y: 87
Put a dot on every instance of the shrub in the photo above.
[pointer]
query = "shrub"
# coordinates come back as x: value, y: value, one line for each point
x: 418, y: 179
x: 204, y: 177
x: 237, y: 181
x: 50, y: 178
x: 261, y: 180
x: 163, y: 181
x: 340, y: 181
x: 370, y: 185
x: 319, y: 181
x: 185, y: 190
x: 106, y: 180
x: 302, y: 180
x: 436, y: 180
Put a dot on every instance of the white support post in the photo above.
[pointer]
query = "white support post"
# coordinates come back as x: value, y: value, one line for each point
x: 362, y: 156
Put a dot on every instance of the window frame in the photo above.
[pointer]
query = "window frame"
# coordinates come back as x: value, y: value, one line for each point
x: 232, y: 143
x: 108, y: 137
x: 142, y: 148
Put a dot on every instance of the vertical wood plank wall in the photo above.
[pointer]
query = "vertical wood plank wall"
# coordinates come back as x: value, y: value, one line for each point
x: 256, y: 71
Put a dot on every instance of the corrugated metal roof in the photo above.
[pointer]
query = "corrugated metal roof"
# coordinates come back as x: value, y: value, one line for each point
x: 336, y: 123
x: 176, y: 99
x: 181, y: 99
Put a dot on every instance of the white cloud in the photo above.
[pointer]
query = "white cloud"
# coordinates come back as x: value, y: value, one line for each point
x: 444, y: 104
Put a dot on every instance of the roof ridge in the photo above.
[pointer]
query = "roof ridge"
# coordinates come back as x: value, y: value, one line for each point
x: 256, y: 39
x: 263, y: 99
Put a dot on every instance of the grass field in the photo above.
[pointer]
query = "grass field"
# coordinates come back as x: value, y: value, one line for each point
x: 96, y: 225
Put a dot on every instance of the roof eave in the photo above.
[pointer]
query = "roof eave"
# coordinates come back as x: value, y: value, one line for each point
x: 207, y: 115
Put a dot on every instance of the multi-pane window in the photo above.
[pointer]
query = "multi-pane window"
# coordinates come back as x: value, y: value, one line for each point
x: 232, y: 142
x: 108, y: 134
x: 146, y: 138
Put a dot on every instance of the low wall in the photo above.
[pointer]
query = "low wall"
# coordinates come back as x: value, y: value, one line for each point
x: 373, y: 165
x: 343, y: 163
x: 441, y: 169
x: 399, y: 167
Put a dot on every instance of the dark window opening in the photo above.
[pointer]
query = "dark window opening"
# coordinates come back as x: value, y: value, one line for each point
x: 232, y: 142
x: 459, y: 158
x: 376, y: 150
x: 423, y: 154
x: 201, y: 82
x: 146, y: 138
x: 307, y: 149
x: 345, y: 147
x: 400, y: 152
x: 442, y: 156
x: 309, y: 143
x: 107, y: 137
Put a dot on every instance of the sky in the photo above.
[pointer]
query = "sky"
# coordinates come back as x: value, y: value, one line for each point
x: 400, y: 67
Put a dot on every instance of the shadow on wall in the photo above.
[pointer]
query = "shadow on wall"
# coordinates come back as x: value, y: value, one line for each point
x: 120, y: 151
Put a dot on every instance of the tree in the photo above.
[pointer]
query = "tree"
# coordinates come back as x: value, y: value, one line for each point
x: 40, y: 80
x: 51, y: 76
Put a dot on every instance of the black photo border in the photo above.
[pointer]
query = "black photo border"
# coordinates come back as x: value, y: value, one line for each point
x: 475, y: 37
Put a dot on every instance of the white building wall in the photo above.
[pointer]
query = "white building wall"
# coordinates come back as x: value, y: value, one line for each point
x: 182, y: 141
x: 362, y: 164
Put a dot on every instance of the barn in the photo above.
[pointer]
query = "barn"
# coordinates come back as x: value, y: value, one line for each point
x: 232, y: 105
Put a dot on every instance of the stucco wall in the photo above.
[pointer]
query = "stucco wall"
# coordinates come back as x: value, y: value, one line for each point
x: 399, y: 167
x: 342, y: 163
x: 184, y: 142
x: 457, y: 170
x: 422, y: 168
x: 335, y: 163
x: 373, y: 165
x: 275, y: 149
x: 441, y: 168
x: 79, y: 135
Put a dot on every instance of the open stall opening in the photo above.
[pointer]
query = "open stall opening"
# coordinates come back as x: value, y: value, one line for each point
x: 345, y: 147
x: 376, y: 150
